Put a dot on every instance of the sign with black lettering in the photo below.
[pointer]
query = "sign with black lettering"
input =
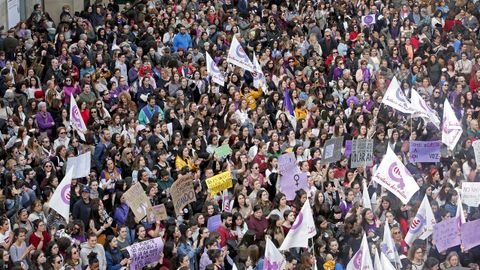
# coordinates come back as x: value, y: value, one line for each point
x: 332, y: 151
x: 362, y: 153
x: 182, y: 193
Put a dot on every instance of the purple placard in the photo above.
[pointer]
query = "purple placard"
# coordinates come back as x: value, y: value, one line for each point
x: 470, y: 236
x: 348, y: 148
x: 446, y: 234
x: 144, y: 253
x: 425, y: 151
x: 214, y: 222
x: 291, y: 182
x: 287, y: 163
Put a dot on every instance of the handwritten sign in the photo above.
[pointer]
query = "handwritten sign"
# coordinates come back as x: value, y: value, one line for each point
x: 219, y: 182
x: 476, y: 149
x: 138, y: 201
x: 469, y: 234
x: 157, y: 212
x: 223, y: 151
x: 332, y: 151
x: 145, y: 253
x: 214, y: 222
x: 362, y: 153
x: 182, y: 194
x: 446, y: 234
x: 425, y: 151
x: 287, y: 162
x: 471, y: 193
x: 293, y: 181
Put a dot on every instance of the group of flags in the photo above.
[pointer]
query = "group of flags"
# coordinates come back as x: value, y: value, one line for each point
x: 451, y: 127
x: 237, y: 56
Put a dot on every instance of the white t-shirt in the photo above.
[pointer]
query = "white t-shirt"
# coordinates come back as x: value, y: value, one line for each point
x: 5, y: 238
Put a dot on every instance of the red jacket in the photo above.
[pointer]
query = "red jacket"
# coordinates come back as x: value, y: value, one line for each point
x: 225, y: 234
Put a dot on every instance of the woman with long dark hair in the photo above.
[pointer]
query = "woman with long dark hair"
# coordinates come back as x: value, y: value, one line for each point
x: 113, y: 255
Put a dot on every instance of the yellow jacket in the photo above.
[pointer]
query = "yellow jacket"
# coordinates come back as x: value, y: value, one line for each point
x: 180, y: 163
x: 252, y: 97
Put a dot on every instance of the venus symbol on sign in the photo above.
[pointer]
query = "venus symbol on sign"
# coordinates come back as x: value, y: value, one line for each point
x: 296, y: 178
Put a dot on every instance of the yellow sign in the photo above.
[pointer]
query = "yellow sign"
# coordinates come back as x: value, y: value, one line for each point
x: 219, y: 182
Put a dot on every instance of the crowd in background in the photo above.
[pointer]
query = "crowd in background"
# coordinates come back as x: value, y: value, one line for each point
x: 138, y: 74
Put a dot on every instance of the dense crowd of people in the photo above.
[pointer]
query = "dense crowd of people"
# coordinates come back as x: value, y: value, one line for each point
x: 138, y: 74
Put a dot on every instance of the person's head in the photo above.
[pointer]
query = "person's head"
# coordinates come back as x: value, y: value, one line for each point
x: 258, y: 211
x: 19, y: 235
x: 415, y: 253
x: 92, y: 240
x: 227, y: 219
x: 55, y: 262
x: 39, y: 225
x: 93, y: 262
x: 453, y: 259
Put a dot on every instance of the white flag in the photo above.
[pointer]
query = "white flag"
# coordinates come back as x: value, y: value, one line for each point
x: 225, y: 201
x: 238, y: 57
x: 302, y: 229
x: 368, y: 20
x: 60, y: 201
x: 395, y: 177
x: 460, y: 210
x: 274, y: 260
x: 451, y: 127
x: 258, y: 77
x: 212, y: 68
x: 421, y: 109
x: 76, y: 119
x: 377, y: 264
x: 366, y: 199
x: 388, y: 246
x: 422, y: 225
x: 80, y: 164
x: 395, y: 98
x: 386, y: 265
x: 361, y: 260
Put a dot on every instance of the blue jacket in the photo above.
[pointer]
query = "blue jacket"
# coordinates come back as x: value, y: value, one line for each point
x: 183, y: 41
x: 113, y: 257
x: 187, y: 249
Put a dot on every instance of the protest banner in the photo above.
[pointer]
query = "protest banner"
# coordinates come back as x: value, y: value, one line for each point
x: 219, y: 182
x: 157, y: 212
x: 214, y: 222
x: 138, y: 201
x: 223, y: 151
x: 446, y: 234
x: 362, y: 153
x: 476, y: 149
x: 469, y: 234
x: 332, y: 151
x: 182, y: 193
x: 471, y: 193
x: 293, y: 181
x: 348, y: 148
x: 145, y: 253
x: 81, y: 165
x: 425, y: 151
x: 287, y: 162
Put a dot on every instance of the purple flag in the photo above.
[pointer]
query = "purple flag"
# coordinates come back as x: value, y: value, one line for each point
x: 287, y: 102
x: 348, y: 148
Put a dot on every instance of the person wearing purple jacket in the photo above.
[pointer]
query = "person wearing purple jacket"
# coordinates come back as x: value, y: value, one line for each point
x: 44, y: 120
x: 347, y: 204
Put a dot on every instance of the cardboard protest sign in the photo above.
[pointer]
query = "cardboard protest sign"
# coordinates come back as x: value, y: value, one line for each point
x: 144, y: 253
x: 469, y: 234
x: 425, y: 151
x: 223, y: 151
x: 471, y: 193
x: 446, y: 234
x: 332, y: 151
x: 214, y: 222
x: 138, y: 201
x: 287, y: 162
x: 157, y: 212
x: 219, y: 182
x: 362, y: 153
x: 182, y: 194
x: 293, y: 181
x: 81, y: 165
x: 476, y: 149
